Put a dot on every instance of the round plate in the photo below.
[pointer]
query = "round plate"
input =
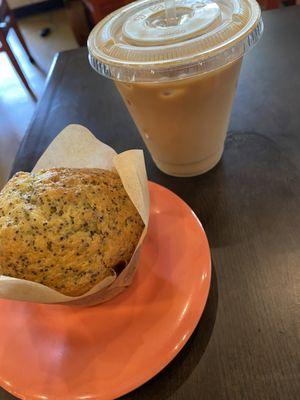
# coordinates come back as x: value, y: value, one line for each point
x: 102, y: 352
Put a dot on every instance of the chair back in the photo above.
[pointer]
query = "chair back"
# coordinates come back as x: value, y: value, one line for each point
x: 4, y: 10
x: 101, y: 8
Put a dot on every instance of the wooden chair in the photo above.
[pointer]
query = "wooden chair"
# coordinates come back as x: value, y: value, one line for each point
x: 7, y: 21
x: 84, y: 14
x: 271, y: 4
x: 98, y: 9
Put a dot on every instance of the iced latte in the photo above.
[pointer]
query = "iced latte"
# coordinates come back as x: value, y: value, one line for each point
x: 178, y: 79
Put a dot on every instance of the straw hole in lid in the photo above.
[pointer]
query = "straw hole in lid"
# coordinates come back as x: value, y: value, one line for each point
x: 108, y: 45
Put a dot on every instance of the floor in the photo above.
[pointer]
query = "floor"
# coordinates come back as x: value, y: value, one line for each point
x: 16, y: 106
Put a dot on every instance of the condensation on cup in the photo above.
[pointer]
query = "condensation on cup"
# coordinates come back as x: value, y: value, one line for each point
x: 177, y: 71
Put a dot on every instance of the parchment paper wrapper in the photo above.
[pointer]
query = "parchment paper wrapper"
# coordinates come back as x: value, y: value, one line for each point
x: 76, y: 147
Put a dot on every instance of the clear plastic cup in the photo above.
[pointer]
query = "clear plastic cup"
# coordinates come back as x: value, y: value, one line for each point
x: 178, y: 77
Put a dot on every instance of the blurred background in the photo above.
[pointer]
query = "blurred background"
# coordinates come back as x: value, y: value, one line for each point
x: 31, y: 33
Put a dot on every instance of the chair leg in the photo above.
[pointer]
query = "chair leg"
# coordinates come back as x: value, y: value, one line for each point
x: 78, y: 21
x: 21, y: 38
x: 13, y: 60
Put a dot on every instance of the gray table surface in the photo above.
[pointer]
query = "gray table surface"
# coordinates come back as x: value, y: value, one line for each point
x: 246, y: 345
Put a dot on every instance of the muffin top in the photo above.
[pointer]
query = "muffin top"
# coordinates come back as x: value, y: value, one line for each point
x: 66, y: 228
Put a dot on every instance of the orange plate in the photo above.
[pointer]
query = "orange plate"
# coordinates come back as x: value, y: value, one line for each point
x: 102, y: 352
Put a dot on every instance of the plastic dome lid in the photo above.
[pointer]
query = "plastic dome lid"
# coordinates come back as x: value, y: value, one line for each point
x: 137, y: 44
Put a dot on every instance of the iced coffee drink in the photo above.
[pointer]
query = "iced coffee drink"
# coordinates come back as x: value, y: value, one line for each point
x: 178, y: 78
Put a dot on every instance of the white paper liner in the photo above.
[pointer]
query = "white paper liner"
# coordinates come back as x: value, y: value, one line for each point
x: 77, y: 147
